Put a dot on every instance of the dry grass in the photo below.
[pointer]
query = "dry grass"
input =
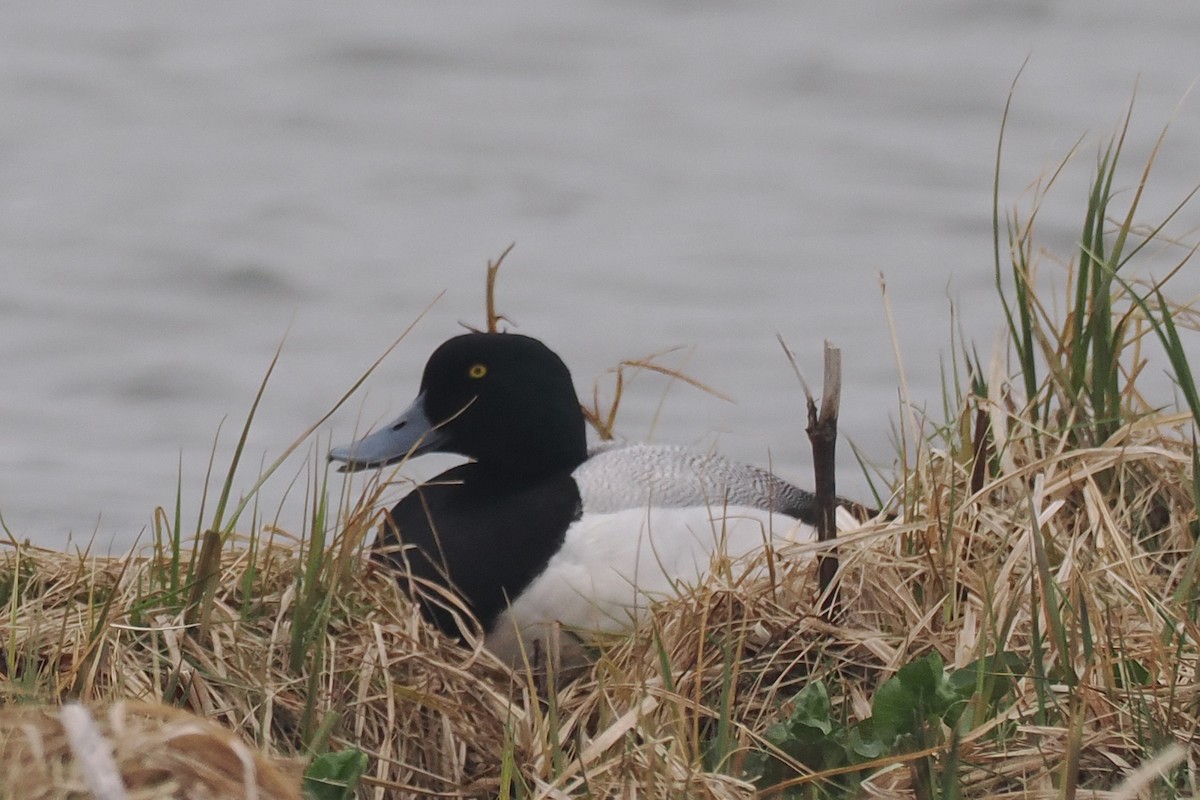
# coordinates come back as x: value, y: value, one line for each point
x: 672, y: 710
x: 151, y: 752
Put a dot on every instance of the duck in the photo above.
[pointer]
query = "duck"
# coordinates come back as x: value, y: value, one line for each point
x: 543, y: 540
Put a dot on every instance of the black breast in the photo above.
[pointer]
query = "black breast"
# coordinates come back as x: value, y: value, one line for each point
x: 474, y: 532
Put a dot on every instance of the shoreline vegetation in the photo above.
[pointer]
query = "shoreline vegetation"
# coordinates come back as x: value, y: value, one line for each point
x: 1025, y: 625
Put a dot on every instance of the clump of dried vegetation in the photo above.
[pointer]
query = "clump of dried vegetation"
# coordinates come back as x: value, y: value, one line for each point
x: 1025, y: 625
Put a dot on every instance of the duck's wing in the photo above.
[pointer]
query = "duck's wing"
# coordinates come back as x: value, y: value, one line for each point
x: 620, y: 476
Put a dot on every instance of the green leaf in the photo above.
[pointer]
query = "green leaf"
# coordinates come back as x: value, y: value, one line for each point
x: 778, y: 733
x: 923, y: 676
x: 812, y: 708
x: 1000, y: 672
x: 334, y: 776
x: 893, y: 709
x: 862, y: 741
x: 917, y: 695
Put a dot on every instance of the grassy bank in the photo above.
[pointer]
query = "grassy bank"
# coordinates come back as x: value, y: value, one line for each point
x: 1026, y: 626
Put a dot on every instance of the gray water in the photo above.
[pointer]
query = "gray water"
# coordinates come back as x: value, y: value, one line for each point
x: 182, y: 186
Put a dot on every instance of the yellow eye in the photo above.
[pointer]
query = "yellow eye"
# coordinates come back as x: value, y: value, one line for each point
x: 477, y: 370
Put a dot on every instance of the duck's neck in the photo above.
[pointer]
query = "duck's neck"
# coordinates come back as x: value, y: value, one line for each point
x: 508, y: 477
x: 542, y: 455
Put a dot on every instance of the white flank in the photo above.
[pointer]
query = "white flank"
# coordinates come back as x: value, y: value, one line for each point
x: 611, y: 566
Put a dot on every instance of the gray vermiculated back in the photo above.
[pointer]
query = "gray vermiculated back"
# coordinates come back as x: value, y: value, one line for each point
x: 621, y: 476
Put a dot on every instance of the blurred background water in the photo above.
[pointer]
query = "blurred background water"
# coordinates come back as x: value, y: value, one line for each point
x: 184, y: 185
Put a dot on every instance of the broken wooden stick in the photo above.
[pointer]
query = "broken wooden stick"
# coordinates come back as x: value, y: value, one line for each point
x: 822, y: 434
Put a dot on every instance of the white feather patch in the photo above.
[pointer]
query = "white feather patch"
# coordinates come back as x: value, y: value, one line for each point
x: 613, y: 565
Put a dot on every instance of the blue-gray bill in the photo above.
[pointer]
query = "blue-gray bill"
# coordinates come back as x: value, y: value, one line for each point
x: 407, y: 436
